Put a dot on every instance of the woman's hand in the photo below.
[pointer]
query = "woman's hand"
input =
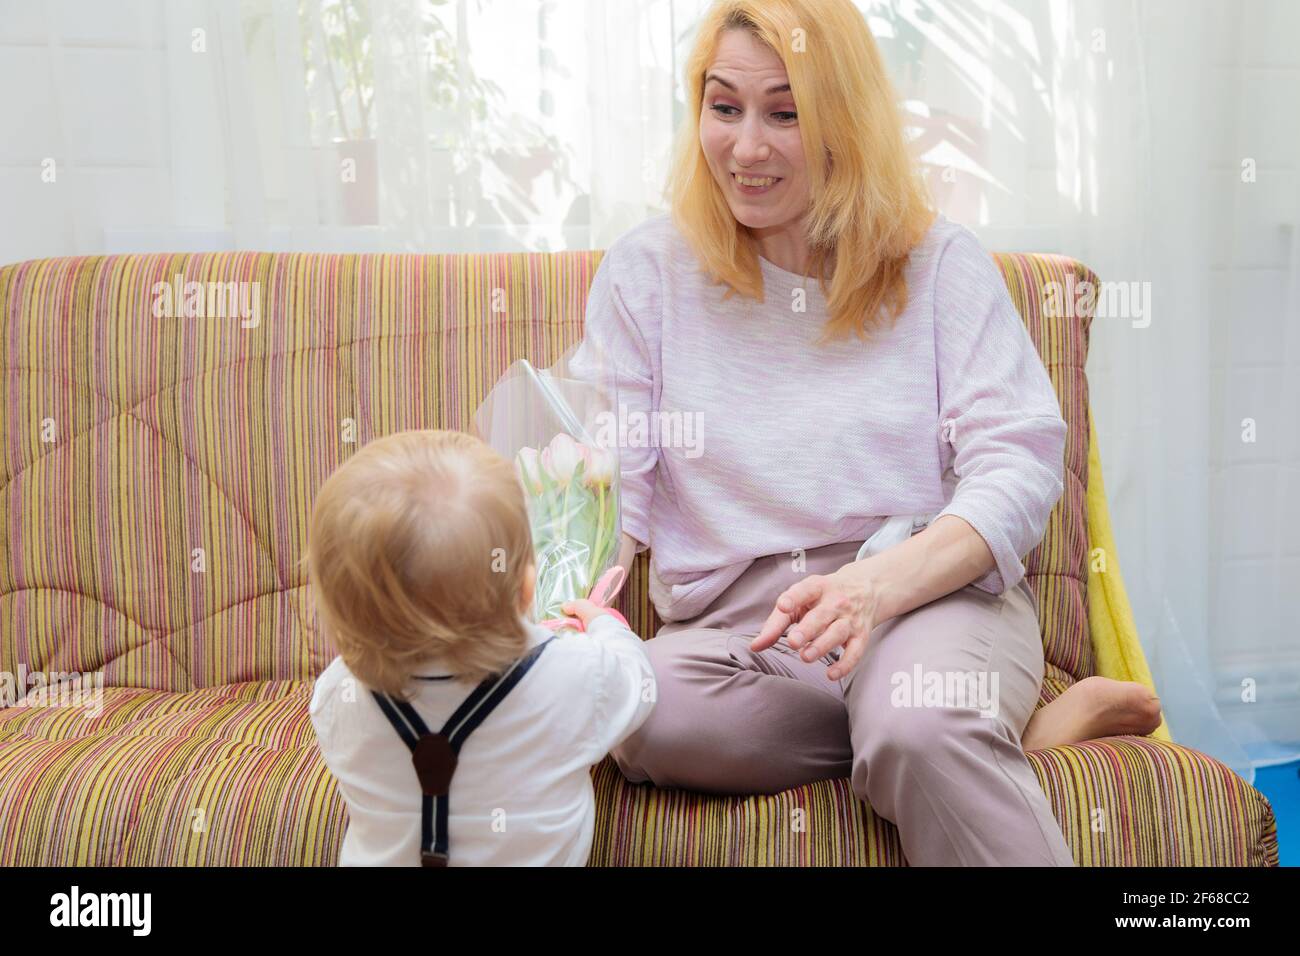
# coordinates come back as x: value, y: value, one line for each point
x: 832, y: 610
x: 844, y: 607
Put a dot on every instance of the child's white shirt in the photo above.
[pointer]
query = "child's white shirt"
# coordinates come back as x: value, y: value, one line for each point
x: 522, y: 792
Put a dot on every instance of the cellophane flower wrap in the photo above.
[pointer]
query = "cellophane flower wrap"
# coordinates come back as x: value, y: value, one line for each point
x: 548, y: 422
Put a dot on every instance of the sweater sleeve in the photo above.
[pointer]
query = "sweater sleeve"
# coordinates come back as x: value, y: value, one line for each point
x: 997, y: 409
x: 613, y: 343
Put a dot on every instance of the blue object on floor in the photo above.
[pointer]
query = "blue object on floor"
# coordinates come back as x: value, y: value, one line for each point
x: 1281, y: 784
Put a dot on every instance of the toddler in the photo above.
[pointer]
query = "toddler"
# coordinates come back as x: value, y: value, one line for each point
x: 460, y: 732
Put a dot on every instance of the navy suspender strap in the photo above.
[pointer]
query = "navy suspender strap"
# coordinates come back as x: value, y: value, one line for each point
x: 435, y: 755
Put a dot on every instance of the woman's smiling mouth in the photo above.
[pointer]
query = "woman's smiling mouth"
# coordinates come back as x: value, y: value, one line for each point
x: 754, y: 185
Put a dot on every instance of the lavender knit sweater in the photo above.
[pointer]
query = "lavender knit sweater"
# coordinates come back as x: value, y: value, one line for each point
x: 739, y: 437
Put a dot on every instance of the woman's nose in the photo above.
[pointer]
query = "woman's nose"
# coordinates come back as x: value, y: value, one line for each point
x: 751, y: 143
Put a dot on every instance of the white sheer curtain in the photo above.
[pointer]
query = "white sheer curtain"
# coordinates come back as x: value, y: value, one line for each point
x: 469, y: 125
x: 1153, y: 139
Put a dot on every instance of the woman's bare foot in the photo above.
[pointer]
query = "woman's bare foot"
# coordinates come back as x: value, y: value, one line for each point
x: 1093, y: 707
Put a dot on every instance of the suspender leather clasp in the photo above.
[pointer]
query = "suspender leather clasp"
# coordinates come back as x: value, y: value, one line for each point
x: 435, y: 762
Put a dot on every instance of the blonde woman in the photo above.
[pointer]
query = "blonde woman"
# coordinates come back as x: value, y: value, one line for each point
x: 850, y: 365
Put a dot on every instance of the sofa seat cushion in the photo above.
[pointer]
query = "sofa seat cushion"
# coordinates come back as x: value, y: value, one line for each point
x: 226, y: 775
x: 233, y: 776
x: 1121, y: 801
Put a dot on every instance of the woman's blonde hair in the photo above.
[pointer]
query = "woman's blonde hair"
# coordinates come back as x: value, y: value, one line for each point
x: 868, y: 203
x: 417, y: 554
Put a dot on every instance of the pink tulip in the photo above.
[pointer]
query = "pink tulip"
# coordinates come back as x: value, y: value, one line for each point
x: 560, y: 459
x: 529, y: 466
x: 600, y: 466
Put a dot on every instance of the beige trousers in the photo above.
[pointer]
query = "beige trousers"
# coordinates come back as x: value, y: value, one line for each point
x: 927, y: 726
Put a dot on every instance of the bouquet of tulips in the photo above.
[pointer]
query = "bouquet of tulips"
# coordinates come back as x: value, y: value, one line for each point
x: 545, y: 420
x: 573, y: 508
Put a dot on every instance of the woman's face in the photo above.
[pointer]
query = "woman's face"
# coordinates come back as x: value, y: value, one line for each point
x: 748, y: 125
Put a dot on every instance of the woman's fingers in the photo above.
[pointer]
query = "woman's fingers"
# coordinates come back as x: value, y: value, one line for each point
x: 801, y: 595
x: 839, y: 631
x: 829, y: 608
x: 773, y: 628
x: 854, y: 648
x: 789, y: 607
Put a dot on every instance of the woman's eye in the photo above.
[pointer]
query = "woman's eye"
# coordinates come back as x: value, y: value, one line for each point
x: 784, y: 116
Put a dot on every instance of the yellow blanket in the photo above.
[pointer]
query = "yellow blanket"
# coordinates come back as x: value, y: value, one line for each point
x: 1114, y: 635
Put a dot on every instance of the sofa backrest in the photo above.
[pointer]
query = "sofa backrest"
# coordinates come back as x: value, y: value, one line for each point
x: 168, y: 419
x: 1048, y: 292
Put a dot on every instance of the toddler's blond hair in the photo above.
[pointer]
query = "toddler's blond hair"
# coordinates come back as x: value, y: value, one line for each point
x: 417, y: 554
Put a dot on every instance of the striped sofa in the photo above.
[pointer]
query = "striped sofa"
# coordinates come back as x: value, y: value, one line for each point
x: 158, y: 456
